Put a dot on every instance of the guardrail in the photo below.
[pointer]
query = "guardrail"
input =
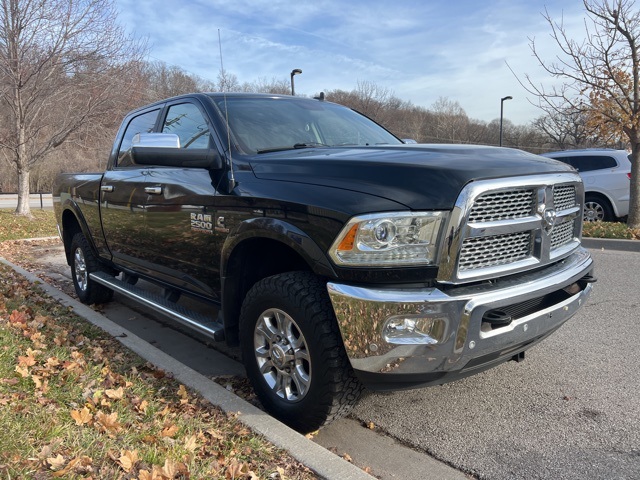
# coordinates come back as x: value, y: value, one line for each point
x: 7, y: 199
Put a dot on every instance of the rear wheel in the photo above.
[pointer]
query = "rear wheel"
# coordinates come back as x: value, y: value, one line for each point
x: 597, y: 209
x: 293, y: 352
x: 84, y: 262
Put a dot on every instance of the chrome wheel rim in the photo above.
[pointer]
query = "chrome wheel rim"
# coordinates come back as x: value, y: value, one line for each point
x: 80, y: 269
x: 282, y: 355
x: 593, y: 212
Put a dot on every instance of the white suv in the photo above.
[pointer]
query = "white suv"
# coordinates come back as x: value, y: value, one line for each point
x: 606, y: 174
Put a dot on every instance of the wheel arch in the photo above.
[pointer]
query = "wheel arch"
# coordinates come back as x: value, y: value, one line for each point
x: 259, y: 249
x: 603, y: 197
x: 72, y: 222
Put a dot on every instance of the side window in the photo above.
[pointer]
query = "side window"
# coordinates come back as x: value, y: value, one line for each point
x: 186, y: 121
x: 141, y: 124
x: 592, y: 162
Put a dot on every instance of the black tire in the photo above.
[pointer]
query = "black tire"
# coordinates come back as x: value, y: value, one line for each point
x: 289, y: 337
x: 597, y: 209
x: 84, y: 262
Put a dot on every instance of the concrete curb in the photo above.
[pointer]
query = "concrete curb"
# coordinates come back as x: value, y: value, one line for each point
x: 611, y: 244
x: 324, y: 463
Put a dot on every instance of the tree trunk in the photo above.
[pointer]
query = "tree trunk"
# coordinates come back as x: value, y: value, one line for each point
x: 23, y: 184
x: 633, y: 221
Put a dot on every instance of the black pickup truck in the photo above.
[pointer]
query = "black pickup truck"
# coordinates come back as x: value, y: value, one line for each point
x: 335, y: 254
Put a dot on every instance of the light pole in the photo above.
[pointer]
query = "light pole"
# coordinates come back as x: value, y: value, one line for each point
x: 501, y: 116
x: 295, y: 71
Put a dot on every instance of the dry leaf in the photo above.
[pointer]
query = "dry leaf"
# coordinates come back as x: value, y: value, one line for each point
x: 79, y: 465
x: 190, y: 443
x: 142, y: 408
x: 182, y: 392
x: 22, y: 371
x: 116, y: 394
x: 81, y: 416
x: 170, y: 468
x: 28, y: 361
x: 56, y: 463
x: 144, y: 475
x: 109, y: 422
x: 128, y: 460
x: 169, y: 431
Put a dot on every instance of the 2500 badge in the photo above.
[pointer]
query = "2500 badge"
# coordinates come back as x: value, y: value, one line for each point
x: 201, y: 222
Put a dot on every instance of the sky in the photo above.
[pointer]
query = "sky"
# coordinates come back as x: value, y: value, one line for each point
x: 420, y: 50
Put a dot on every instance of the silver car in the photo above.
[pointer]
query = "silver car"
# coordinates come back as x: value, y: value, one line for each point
x: 606, y: 174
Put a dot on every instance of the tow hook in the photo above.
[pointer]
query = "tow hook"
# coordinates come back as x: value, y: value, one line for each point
x: 518, y: 357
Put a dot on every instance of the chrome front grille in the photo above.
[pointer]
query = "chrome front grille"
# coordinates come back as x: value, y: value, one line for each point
x: 562, y: 234
x: 503, y: 205
x: 481, y: 252
x: 499, y: 227
x: 564, y: 197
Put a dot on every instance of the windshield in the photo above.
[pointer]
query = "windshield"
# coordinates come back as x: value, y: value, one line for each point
x: 265, y: 124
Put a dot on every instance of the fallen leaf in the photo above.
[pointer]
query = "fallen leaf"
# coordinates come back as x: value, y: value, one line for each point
x: 128, y: 460
x: 109, y: 423
x: 169, y: 431
x: 116, y: 394
x: 144, y: 475
x: 191, y: 443
x: 81, y: 416
x: 28, y: 361
x: 56, y: 463
x: 142, y: 408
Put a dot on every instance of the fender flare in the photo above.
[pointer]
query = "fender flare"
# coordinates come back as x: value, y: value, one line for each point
x: 280, y: 231
x: 74, y: 209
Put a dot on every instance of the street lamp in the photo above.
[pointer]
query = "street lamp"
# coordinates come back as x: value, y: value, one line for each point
x: 295, y: 71
x: 501, y: 110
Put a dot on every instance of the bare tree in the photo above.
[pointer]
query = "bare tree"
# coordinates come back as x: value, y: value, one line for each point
x: 227, y: 82
x: 451, y: 121
x: 602, y: 78
x: 567, y: 129
x: 63, y: 63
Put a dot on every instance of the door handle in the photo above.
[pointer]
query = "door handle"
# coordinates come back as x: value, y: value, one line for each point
x: 106, y: 188
x: 153, y: 190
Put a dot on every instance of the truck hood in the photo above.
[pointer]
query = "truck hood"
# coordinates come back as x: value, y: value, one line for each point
x: 421, y: 177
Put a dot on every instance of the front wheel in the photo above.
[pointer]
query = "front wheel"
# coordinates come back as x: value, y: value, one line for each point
x: 293, y: 352
x: 84, y: 262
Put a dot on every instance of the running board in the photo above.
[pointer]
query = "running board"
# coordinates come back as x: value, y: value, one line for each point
x: 158, y: 303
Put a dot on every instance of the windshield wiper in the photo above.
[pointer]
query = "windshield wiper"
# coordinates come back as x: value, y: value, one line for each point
x: 292, y: 147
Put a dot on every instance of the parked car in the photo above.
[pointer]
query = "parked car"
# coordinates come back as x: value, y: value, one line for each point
x: 606, y: 174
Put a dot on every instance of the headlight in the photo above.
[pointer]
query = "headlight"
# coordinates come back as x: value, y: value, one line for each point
x: 389, y: 239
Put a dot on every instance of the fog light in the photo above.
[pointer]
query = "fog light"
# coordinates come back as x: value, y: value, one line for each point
x: 414, y: 329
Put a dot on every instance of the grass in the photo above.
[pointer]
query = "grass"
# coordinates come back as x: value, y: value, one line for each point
x: 611, y: 230
x: 15, y: 227
x: 76, y: 404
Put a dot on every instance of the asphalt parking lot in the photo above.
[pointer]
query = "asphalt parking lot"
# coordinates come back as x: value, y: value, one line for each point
x: 569, y: 411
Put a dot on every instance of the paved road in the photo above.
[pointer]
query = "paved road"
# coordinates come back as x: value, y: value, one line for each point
x: 11, y: 201
x: 570, y: 411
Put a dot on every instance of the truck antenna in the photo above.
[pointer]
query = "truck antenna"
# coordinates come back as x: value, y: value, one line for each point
x: 232, y: 180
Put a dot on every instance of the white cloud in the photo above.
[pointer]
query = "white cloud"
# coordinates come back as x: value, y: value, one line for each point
x: 420, y: 50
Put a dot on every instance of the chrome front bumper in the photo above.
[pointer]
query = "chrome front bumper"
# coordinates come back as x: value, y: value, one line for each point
x: 398, y: 338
